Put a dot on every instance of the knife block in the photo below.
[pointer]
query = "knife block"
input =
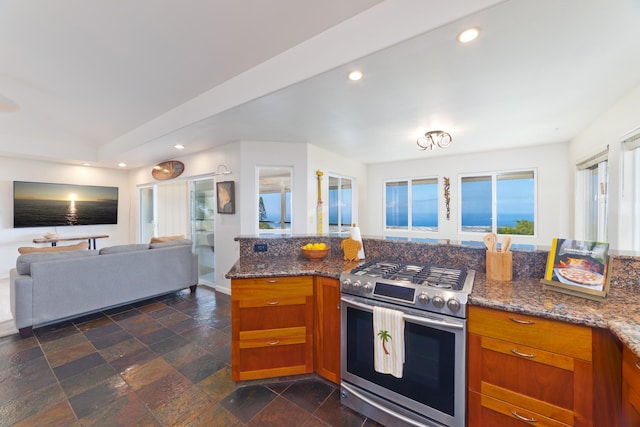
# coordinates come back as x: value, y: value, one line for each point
x: 499, y: 265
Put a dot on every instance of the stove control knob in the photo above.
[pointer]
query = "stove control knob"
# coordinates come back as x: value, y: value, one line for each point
x: 346, y: 283
x: 453, y: 304
x: 367, y: 287
x: 437, y: 301
x: 423, y: 298
x: 356, y: 285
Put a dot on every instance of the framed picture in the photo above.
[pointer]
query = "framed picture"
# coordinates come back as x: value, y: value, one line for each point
x: 579, y: 268
x: 226, y: 197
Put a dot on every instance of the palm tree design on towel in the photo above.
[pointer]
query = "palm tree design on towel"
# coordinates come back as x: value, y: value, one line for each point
x: 384, y: 336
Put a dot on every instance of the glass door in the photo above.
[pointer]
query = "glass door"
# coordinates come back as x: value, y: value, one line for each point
x: 203, y: 204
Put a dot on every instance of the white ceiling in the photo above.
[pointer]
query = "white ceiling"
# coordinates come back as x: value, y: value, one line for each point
x: 114, y: 80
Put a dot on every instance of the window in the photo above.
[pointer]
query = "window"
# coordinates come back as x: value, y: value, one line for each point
x: 274, y: 199
x: 412, y: 205
x: 340, y: 204
x: 499, y: 202
x: 591, y: 198
x: 630, y: 208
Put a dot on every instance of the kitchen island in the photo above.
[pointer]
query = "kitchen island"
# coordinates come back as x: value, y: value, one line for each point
x: 581, y: 345
x: 620, y: 312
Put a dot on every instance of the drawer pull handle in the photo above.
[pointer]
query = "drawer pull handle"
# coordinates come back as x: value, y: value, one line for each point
x: 273, y: 342
x: 273, y: 302
x: 520, y: 417
x: 638, y: 364
x: 527, y: 355
x: 272, y: 281
x: 522, y: 322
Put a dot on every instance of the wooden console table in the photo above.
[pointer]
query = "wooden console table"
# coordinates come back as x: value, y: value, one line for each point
x: 54, y: 240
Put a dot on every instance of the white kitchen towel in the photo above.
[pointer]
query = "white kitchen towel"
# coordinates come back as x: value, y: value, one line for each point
x: 388, y: 348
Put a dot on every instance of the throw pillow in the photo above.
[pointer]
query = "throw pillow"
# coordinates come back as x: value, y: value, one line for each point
x: 166, y: 238
x: 29, y: 249
x: 124, y: 248
x: 179, y: 242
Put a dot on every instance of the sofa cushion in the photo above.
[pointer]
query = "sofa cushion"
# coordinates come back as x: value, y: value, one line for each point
x: 30, y: 249
x: 162, y: 239
x: 124, y: 248
x: 23, y: 263
x: 169, y: 243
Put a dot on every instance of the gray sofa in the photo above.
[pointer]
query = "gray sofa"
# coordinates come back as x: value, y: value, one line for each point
x: 50, y: 287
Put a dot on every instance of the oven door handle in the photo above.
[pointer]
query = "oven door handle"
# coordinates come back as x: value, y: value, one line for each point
x: 380, y: 407
x: 425, y: 321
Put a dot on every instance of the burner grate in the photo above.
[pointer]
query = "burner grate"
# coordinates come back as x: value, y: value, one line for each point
x: 421, y: 274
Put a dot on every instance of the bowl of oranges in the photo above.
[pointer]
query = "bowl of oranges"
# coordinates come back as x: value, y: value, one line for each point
x: 315, y: 251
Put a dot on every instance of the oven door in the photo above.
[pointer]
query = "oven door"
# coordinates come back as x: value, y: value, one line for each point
x: 432, y: 389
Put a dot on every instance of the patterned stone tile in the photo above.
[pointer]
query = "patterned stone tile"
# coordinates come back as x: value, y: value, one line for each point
x: 27, y: 405
x: 246, y: 402
x: 214, y: 416
x: 82, y: 382
x: 146, y: 373
x: 60, y: 414
x: 333, y: 413
x: 70, y: 354
x: 99, y: 396
x: 219, y: 384
x: 280, y: 412
x: 63, y: 343
x: 184, y: 408
x: 162, y: 390
x: 308, y: 394
x: 78, y: 366
x: 123, y: 411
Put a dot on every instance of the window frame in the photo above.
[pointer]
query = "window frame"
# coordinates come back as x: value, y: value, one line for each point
x: 493, y: 176
x: 410, y: 230
x: 589, y: 196
x: 343, y: 229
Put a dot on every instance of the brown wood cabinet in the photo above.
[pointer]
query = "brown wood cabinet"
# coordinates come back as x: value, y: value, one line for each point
x: 526, y: 370
x: 271, y: 327
x: 630, y: 388
x: 327, y: 328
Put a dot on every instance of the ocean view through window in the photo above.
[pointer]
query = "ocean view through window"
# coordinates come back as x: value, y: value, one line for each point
x: 412, y: 205
x: 500, y: 202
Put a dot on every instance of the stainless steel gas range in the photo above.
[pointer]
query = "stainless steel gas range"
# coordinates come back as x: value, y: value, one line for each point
x: 433, y: 302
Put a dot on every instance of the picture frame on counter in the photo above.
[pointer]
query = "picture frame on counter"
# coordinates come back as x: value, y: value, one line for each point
x: 577, y: 267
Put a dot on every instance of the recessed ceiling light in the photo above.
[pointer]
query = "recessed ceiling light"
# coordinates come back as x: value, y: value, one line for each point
x: 178, y: 147
x: 355, y: 75
x: 122, y: 165
x: 468, y: 35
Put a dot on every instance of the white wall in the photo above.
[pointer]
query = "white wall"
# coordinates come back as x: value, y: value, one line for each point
x: 227, y: 226
x: 610, y: 129
x: 553, y: 204
x: 267, y: 153
x: 12, y: 169
x: 332, y: 163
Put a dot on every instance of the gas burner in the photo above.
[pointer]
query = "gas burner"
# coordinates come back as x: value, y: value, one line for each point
x: 421, y: 286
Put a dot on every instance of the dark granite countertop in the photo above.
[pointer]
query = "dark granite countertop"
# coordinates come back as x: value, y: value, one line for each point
x: 620, y: 312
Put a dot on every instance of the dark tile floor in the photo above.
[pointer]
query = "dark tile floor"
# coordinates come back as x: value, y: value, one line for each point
x: 161, y: 362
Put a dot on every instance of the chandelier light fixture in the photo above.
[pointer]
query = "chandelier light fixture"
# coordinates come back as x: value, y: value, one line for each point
x: 434, y: 138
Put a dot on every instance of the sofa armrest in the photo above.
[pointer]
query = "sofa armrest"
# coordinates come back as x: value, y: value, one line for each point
x: 21, y: 295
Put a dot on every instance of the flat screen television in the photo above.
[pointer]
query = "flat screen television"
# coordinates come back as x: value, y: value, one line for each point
x: 39, y: 204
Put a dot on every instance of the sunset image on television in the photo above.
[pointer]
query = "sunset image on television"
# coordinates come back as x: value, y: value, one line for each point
x: 37, y: 204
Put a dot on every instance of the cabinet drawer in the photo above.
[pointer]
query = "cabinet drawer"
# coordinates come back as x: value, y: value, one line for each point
x: 272, y: 287
x: 535, y: 332
x: 487, y: 411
